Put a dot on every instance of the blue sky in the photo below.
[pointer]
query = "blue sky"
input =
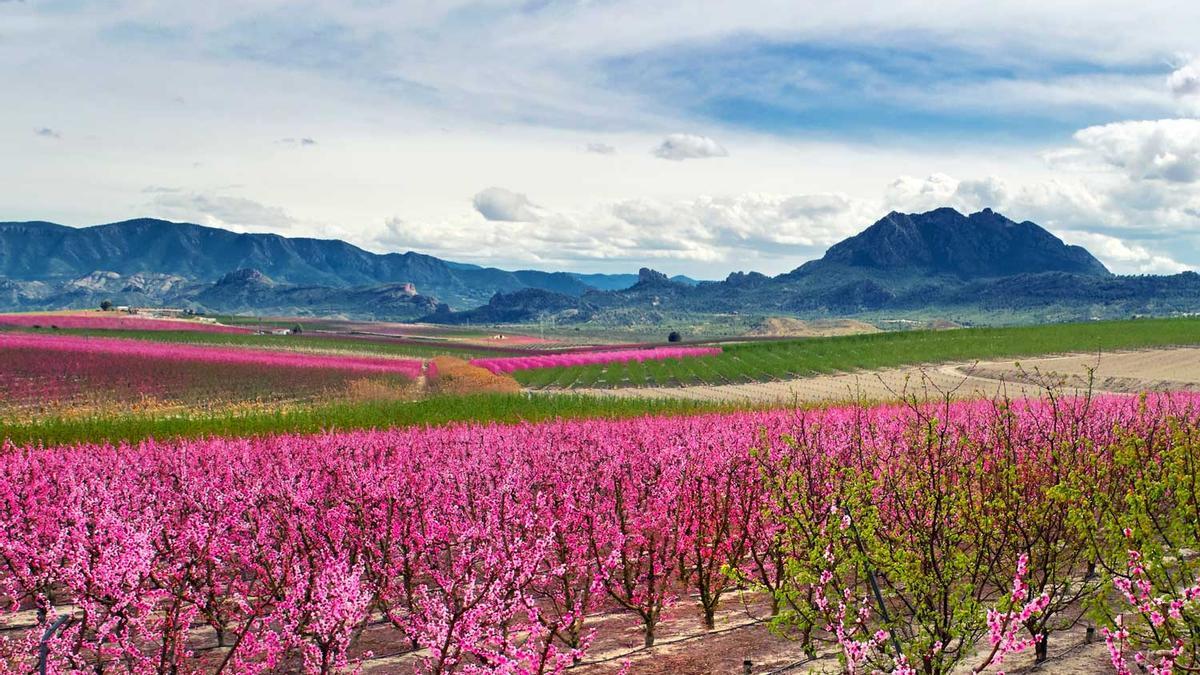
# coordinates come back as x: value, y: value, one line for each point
x: 601, y: 135
x: 909, y: 88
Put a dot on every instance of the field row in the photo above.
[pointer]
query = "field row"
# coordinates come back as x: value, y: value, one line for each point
x: 785, y: 360
x: 907, y: 538
x: 113, y: 321
x: 1173, y: 369
x: 56, y: 371
x: 308, y: 343
x: 131, y: 423
x: 599, y: 357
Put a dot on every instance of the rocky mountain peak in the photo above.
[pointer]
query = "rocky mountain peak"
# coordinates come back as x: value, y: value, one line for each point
x: 943, y: 241
x: 245, y: 277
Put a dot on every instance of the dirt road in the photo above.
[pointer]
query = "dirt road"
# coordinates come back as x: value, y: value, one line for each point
x: 1159, y: 370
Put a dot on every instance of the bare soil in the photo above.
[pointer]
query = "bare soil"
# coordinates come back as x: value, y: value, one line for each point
x: 1120, y: 372
x: 783, y: 326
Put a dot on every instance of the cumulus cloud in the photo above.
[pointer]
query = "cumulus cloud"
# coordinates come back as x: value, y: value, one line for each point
x: 47, y: 132
x: 1133, y: 226
x: 765, y: 232
x: 1123, y: 255
x: 908, y: 193
x: 219, y: 210
x: 555, y: 240
x: 600, y: 148
x: 911, y: 194
x: 1088, y: 214
x: 679, y: 147
x: 1167, y: 150
x: 1185, y: 80
x: 735, y: 226
x: 499, y: 204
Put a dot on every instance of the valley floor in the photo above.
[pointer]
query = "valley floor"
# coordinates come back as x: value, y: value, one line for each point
x: 1175, y: 369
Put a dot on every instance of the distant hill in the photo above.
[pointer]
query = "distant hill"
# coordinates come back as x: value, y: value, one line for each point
x: 530, y: 304
x: 979, y: 246
x: 617, y: 282
x: 48, y: 252
x: 940, y: 263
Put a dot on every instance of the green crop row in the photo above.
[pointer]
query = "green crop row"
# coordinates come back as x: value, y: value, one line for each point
x: 504, y: 408
x: 786, y: 359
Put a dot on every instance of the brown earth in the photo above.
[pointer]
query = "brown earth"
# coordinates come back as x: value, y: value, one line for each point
x: 782, y: 326
x: 685, y: 647
x: 1119, y: 372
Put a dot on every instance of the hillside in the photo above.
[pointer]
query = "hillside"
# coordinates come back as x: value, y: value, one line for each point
x: 57, y: 254
x: 942, y: 263
x: 944, y: 241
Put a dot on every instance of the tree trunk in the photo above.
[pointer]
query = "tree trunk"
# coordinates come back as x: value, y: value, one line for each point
x: 1041, y: 649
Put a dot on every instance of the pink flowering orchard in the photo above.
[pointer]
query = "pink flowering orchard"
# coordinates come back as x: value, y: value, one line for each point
x: 891, y: 536
x: 39, y: 369
x: 65, y: 345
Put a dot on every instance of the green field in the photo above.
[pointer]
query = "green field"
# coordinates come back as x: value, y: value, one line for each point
x: 786, y: 359
x: 395, y: 347
x: 436, y: 410
x: 740, y: 362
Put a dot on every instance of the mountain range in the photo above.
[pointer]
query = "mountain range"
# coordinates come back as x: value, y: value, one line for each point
x: 937, y: 263
x: 155, y: 262
x: 977, y: 268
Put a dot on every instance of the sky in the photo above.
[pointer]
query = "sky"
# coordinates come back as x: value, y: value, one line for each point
x: 694, y: 137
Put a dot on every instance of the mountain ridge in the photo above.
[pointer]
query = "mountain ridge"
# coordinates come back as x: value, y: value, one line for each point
x: 984, y: 244
x: 903, y: 264
x: 940, y: 260
x: 45, y: 251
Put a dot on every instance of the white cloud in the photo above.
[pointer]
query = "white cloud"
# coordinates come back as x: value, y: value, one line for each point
x: 1148, y: 150
x: 1122, y: 255
x: 1078, y: 212
x: 218, y: 210
x: 679, y: 147
x: 496, y: 203
x: 600, y: 148
x: 421, y: 104
x: 1185, y: 80
x: 910, y: 194
x: 771, y: 233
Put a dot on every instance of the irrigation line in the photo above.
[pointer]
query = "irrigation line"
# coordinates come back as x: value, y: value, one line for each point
x: 664, y: 643
x: 791, y: 666
x: 887, y: 620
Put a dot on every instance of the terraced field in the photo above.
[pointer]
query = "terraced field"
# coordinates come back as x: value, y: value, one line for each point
x: 782, y: 361
x: 317, y: 343
x: 1176, y: 369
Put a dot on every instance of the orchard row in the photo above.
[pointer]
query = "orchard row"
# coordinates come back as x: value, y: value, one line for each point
x: 907, y: 538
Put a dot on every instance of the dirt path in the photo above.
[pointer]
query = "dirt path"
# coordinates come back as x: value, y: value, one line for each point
x: 1158, y: 369
x: 741, y: 634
